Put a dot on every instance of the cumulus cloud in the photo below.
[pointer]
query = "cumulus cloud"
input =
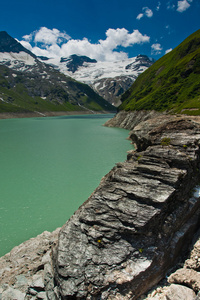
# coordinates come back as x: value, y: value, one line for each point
x: 53, y: 43
x: 156, y: 49
x: 168, y: 50
x: 28, y: 37
x: 48, y: 36
x: 146, y: 12
x: 183, y: 5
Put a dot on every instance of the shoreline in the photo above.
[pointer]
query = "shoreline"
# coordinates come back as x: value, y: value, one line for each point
x: 12, y: 115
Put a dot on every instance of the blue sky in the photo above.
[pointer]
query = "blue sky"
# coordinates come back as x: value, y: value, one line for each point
x: 104, y: 30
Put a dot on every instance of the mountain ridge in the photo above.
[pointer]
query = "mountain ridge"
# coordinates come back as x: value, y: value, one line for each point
x: 73, y: 62
x: 9, y: 44
x: 109, y: 79
x: 29, y: 85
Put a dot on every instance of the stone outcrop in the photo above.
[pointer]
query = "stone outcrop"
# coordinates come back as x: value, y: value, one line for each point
x: 133, y: 228
x: 128, y: 120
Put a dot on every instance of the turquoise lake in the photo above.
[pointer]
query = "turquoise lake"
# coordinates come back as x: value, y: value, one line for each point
x: 49, y: 167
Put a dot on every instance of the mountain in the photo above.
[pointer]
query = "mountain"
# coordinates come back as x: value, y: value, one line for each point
x: 109, y: 79
x: 75, y: 61
x: 29, y: 84
x: 171, y: 84
x: 8, y: 44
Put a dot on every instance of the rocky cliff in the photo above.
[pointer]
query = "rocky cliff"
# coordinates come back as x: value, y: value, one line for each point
x: 136, y: 224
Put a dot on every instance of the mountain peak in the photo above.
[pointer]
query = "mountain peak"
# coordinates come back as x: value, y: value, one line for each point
x: 74, y: 61
x: 9, y: 44
x: 144, y: 58
x: 140, y: 60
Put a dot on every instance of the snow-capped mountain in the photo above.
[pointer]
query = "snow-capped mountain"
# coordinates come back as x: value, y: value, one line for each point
x: 27, y: 83
x: 108, y: 79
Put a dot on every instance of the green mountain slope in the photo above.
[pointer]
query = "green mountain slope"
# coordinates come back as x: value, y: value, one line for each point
x: 171, y: 84
x: 34, y: 91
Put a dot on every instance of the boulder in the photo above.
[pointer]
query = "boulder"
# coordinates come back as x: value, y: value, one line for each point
x: 180, y: 292
x: 10, y: 294
x: 187, y: 277
x: 23, y: 269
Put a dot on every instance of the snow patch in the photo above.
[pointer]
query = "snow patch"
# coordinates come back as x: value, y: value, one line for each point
x: 3, y: 100
x: 91, y: 72
x: 13, y: 58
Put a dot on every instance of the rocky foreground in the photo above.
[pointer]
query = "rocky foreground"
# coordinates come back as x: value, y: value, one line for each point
x: 136, y: 226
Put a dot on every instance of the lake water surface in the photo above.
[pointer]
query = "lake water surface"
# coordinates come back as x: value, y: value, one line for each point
x: 49, y: 167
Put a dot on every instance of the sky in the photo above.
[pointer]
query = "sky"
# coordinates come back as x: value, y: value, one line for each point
x: 105, y: 30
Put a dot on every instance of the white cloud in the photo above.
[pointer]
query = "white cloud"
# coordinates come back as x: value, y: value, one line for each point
x: 169, y: 30
x: 183, y: 5
x: 140, y: 16
x: 158, y: 6
x: 147, y: 12
x: 28, y: 37
x: 53, y: 43
x: 48, y: 36
x: 156, y: 49
x: 168, y: 50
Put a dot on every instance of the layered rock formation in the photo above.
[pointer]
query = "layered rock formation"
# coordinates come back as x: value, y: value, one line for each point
x: 135, y: 225
x: 132, y: 228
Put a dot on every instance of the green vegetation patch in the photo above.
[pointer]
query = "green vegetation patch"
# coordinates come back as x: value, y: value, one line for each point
x: 56, y: 92
x: 165, y: 141
x: 171, y: 84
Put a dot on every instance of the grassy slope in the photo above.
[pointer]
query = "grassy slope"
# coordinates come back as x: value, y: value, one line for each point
x: 170, y: 84
x: 21, y: 92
